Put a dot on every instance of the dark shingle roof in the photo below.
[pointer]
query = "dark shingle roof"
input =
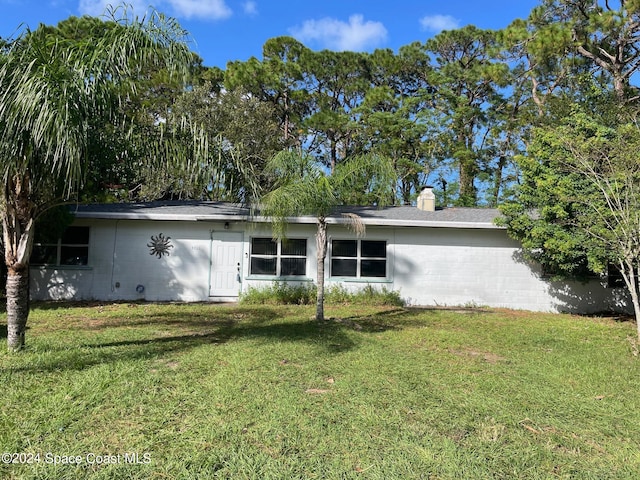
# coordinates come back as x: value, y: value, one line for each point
x: 411, y: 213
x: 185, y: 210
x: 221, y: 211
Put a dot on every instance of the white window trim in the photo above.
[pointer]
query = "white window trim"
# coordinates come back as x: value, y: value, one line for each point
x: 279, y: 257
x: 358, y: 258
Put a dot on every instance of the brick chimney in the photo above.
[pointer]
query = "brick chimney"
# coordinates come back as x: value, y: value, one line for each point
x: 427, y: 200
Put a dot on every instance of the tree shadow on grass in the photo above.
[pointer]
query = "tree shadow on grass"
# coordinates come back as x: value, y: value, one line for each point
x: 175, y: 334
x: 395, y: 319
x: 302, y: 331
x: 178, y: 331
x: 403, y: 317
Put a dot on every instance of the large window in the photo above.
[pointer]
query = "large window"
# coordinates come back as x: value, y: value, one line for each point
x: 278, y: 258
x: 71, y: 249
x: 359, y: 258
x: 615, y: 278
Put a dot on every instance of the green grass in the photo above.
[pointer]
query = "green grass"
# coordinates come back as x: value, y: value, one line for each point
x: 265, y: 392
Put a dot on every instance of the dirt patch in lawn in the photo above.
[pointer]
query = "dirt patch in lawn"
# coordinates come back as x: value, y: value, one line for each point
x: 470, y: 353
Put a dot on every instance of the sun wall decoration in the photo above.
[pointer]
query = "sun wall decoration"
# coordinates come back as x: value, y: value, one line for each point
x: 159, y: 245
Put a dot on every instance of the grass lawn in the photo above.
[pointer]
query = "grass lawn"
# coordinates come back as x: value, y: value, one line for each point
x: 204, y: 391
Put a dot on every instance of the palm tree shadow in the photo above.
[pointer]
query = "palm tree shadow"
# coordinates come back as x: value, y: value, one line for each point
x: 319, y: 334
x: 395, y: 319
x: 260, y: 324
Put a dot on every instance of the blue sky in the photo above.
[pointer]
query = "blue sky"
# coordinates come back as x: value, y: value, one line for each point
x: 225, y: 30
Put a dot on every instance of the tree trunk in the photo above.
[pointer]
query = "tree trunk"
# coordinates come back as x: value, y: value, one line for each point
x: 468, y: 194
x: 632, y: 285
x: 619, y: 87
x: 497, y: 182
x: 636, y: 311
x: 333, y: 153
x: 629, y: 272
x: 17, y: 307
x: 18, y: 220
x: 536, y: 97
x: 321, y: 244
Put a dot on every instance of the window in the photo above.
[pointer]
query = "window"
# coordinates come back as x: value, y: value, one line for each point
x: 615, y: 278
x: 71, y: 249
x: 278, y: 258
x: 359, y: 258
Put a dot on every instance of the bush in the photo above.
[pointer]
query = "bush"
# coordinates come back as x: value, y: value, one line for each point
x: 369, y: 295
x: 337, y: 295
x: 281, y: 293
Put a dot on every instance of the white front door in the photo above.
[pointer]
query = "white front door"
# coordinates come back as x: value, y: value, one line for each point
x: 225, y: 278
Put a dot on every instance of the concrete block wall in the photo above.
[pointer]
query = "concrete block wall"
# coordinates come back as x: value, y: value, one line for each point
x: 428, y: 266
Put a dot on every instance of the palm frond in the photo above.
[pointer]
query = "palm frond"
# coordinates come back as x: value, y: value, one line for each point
x: 306, y: 196
x: 51, y: 89
x: 355, y: 223
x: 303, y: 188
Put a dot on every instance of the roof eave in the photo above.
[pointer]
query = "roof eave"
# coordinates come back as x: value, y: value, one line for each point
x: 158, y: 216
x: 306, y: 220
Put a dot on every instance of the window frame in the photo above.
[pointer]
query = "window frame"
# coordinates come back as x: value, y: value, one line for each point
x: 359, y: 258
x: 59, y: 247
x: 278, y: 257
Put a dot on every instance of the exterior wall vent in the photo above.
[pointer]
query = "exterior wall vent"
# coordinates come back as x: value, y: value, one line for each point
x: 427, y: 200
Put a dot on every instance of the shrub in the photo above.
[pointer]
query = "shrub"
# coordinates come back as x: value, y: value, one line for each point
x: 369, y: 295
x: 338, y: 295
x: 281, y: 293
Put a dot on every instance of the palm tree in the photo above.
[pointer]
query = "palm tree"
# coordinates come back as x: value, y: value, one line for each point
x: 50, y: 91
x: 303, y: 187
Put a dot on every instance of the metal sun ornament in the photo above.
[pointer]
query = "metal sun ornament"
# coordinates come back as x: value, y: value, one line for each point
x: 159, y: 245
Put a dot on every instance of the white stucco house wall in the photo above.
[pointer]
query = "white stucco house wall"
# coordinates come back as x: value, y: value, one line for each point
x: 211, y: 251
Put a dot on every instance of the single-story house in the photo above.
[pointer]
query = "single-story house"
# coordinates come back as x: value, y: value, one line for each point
x: 212, y: 251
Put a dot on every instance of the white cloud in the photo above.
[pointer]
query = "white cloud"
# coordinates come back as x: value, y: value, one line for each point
x: 205, y: 9
x: 99, y: 7
x: 438, y: 23
x: 334, y: 34
x: 250, y: 8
